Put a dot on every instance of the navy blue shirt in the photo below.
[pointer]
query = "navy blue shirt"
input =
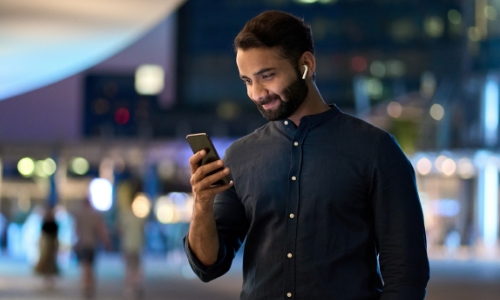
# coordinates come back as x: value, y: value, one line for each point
x: 329, y: 210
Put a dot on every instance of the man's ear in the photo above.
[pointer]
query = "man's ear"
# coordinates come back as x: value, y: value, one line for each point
x: 308, y: 62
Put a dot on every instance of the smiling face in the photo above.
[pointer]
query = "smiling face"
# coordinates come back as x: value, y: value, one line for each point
x: 273, y: 83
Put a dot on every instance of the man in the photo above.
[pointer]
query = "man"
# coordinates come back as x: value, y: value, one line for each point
x: 327, y: 203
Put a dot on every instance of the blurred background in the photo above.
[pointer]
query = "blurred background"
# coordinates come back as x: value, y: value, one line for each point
x: 97, y: 96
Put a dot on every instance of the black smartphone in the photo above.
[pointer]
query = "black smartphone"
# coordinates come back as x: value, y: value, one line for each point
x: 200, y: 141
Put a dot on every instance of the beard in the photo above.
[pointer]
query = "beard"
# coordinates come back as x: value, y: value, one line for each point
x: 294, y: 95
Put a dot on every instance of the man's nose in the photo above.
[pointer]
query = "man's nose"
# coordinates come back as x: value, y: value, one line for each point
x: 257, y: 92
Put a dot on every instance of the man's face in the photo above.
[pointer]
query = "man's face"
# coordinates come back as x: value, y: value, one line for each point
x: 273, y: 83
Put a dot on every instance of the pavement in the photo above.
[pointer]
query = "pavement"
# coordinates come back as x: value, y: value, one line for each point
x: 169, y: 277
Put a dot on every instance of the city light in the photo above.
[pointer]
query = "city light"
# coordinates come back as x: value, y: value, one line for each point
x: 437, y: 112
x: 377, y: 69
x: 395, y: 68
x: 141, y: 206
x: 490, y: 13
x: 465, y: 168
x: 359, y: 64
x: 455, y: 17
x: 101, y: 194
x: 439, y: 162
x: 424, y: 166
x: 434, y: 26
x: 26, y: 166
x: 149, y: 80
x: 374, y: 88
x: 490, y: 112
x: 394, y: 109
x: 79, y: 166
x: 49, y: 166
x: 448, y: 167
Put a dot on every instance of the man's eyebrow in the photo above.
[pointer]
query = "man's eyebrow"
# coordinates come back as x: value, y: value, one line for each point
x: 263, y: 71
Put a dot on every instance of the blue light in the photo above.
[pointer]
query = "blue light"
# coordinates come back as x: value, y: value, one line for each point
x: 491, y: 112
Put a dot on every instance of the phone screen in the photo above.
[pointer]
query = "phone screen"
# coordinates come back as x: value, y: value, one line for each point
x: 200, y: 141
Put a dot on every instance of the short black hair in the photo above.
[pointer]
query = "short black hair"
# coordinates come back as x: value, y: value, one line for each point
x: 273, y: 28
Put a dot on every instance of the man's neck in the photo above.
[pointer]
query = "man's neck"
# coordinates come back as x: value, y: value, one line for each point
x: 312, y: 105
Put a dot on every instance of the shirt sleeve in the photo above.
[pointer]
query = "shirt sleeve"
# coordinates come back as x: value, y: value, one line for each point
x: 232, y: 226
x: 399, y: 224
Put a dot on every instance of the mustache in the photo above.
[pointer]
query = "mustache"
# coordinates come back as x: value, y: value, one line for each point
x: 269, y: 99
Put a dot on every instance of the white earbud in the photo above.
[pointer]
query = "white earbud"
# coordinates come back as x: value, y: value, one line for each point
x: 305, y: 71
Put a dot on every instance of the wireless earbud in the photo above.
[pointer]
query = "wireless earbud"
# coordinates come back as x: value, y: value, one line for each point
x: 305, y: 71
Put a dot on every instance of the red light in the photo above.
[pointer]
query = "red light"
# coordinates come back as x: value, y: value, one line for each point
x: 122, y: 116
x: 359, y: 64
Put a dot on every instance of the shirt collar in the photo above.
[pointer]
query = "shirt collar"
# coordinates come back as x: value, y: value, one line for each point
x: 310, y: 120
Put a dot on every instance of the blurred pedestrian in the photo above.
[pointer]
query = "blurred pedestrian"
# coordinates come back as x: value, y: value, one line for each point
x: 91, y: 231
x: 49, y: 245
x: 131, y: 231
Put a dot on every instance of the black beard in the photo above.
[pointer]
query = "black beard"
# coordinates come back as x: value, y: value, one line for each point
x: 295, y: 94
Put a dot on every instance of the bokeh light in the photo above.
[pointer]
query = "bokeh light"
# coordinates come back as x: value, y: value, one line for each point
x: 377, y: 69
x: 394, y: 109
x: 424, y: 166
x: 465, y: 168
x: 149, y: 79
x: 454, y: 16
x: 448, y: 167
x: 26, y: 166
x: 80, y: 166
x: 437, y: 112
x: 141, y: 206
x: 49, y: 166
x: 359, y: 64
x: 101, y: 194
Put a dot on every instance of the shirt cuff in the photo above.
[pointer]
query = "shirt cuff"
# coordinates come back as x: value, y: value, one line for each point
x: 205, y: 273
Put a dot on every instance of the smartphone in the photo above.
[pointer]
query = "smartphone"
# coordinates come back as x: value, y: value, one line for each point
x: 200, y: 141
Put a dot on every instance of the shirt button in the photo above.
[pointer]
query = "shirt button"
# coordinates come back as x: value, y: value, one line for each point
x: 294, y: 178
x: 286, y: 122
x: 292, y: 216
x: 295, y: 143
x: 289, y: 255
x: 289, y: 295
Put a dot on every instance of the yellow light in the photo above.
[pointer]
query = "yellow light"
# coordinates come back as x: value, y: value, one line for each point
x: 141, y: 206
x: 49, y: 166
x: 448, y: 167
x: 437, y: 112
x: 439, y: 162
x: 434, y: 26
x: 474, y: 34
x: 80, y: 166
x: 490, y: 13
x: 394, y: 109
x: 424, y: 166
x: 39, y: 169
x: 26, y: 166
x: 455, y: 17
x: 166, y: 213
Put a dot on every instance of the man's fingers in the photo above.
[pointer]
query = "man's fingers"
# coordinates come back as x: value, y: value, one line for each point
x: 194, y: 161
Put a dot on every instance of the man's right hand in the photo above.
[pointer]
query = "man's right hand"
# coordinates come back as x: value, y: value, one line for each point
x: 202, y: 237
x: 202, y: 185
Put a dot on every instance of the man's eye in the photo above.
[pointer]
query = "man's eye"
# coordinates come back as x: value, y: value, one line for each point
x: 267, y: 76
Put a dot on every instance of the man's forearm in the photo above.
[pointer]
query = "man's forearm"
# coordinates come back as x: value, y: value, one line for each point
x: 203, y: 238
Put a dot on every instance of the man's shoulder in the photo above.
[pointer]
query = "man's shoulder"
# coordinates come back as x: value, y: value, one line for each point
x: 360, y: 128
x: 250, y: 140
